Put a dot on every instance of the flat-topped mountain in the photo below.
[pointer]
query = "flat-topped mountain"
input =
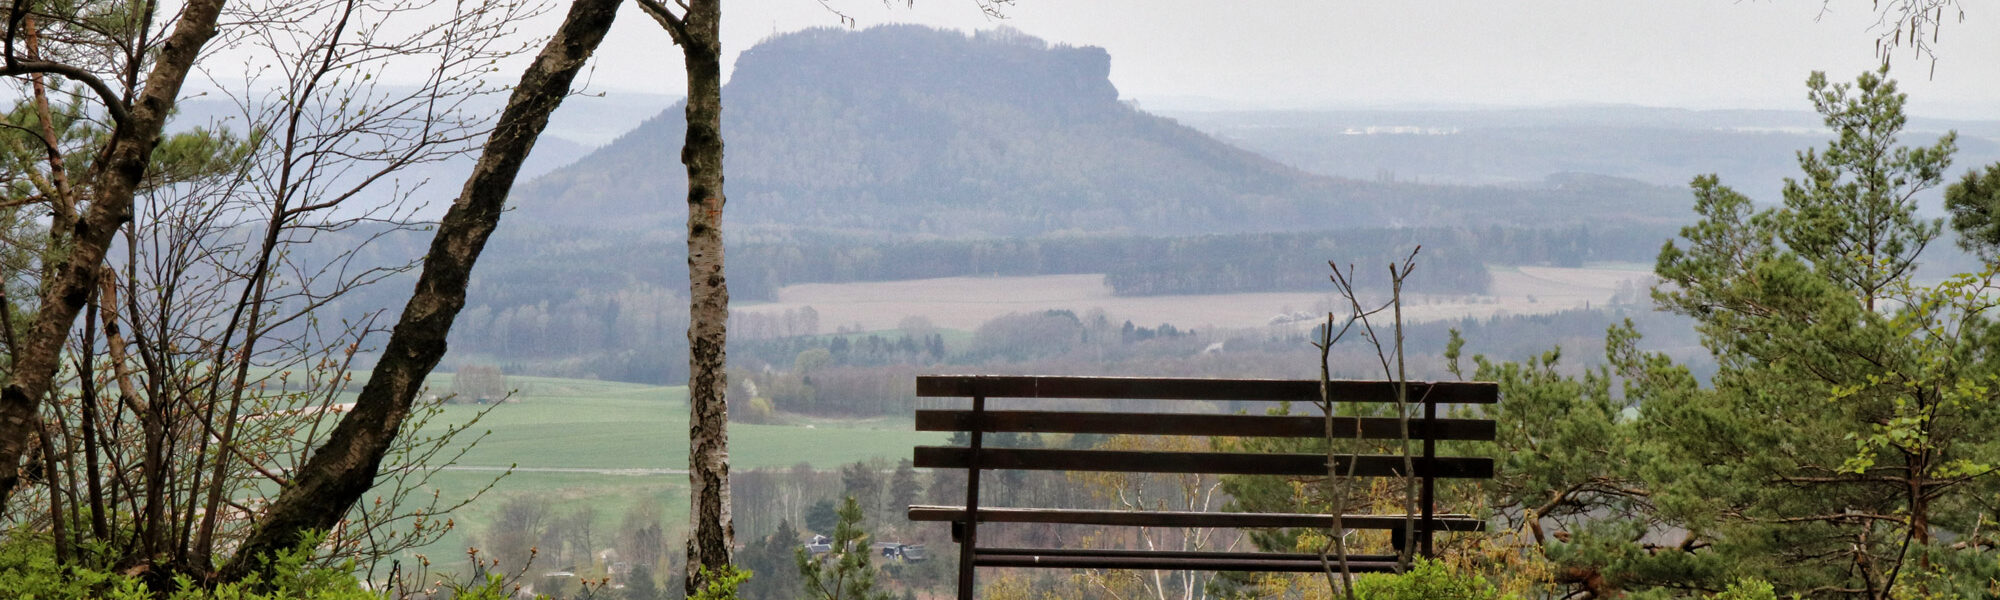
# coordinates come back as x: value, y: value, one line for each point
x: 913, y: 130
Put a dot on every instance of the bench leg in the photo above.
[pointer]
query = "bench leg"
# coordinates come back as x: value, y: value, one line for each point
x: 969, y: 532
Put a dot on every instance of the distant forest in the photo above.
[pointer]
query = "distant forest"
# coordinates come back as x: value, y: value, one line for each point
x: 866, y: 375
x: 1454, y: 258
x: 611, y: 309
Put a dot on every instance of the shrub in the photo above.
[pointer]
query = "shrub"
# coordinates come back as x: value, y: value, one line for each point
x: 1426, y: 580
x: 1748, y: 589
x: 28, y: 569
x: 722, y: 585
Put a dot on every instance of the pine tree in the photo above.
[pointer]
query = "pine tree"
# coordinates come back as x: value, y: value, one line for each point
x: 822, y: 517
x: 1843, y: 446
x: 771, y: 559
x: 639, y: 584
x: 1974, y: 203
x: 845, y: 573
x: 1847, y: 438
x: 904, y: 487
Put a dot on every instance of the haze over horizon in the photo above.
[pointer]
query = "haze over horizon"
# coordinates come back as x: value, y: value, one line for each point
x: 1448, y: 54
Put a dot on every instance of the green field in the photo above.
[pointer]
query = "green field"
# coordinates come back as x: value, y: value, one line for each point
x: 566, y: 423
x: 580, y: 426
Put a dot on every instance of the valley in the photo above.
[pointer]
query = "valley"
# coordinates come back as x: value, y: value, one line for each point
x: 967, y: 302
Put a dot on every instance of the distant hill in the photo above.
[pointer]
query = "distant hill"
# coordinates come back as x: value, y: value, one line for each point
x: 911, y: 130
x: 1752, y: 150
x: 904, y: 152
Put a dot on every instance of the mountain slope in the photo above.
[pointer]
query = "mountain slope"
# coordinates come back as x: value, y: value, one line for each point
x: 1752, y: 151
x: 911, y: 130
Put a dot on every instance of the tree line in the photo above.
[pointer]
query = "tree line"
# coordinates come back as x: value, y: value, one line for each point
x: 1143, y: 266
x: 593, y: 309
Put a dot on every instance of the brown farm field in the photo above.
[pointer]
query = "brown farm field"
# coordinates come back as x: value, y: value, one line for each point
x: 965, y: 302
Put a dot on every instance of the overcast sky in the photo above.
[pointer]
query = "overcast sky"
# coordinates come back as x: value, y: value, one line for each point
x: 1685, y: 53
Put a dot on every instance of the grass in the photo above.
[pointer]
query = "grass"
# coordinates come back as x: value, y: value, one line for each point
x: 579, y: 424
x: 608, y: 497
x: 557, y: 423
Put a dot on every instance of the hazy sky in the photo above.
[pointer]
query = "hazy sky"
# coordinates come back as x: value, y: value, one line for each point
x: 1258, y: 53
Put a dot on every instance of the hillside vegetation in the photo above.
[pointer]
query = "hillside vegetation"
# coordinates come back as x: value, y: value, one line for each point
x: 908, y: 130
x: 901, y: 153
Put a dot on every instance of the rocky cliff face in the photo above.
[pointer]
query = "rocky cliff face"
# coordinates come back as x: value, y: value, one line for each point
x: 883, y: 63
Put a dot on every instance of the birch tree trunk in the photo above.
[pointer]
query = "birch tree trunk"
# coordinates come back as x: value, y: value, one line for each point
x: 713, y: 533
x: 697, y: 30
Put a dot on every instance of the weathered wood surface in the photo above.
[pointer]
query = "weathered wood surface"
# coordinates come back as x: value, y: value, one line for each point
x: 975, y: 458
x: 1175, y: 388
x: 1149, y: 559
x: 1285, y: 426
x: 1173, y: 518
x: 1216, y: 463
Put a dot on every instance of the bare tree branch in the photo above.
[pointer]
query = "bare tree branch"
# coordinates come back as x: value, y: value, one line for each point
x: 114, y: 105
x: 345, y: 466
x: 676, y: 26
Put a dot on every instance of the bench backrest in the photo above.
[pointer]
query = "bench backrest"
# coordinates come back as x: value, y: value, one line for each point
x: 980, y: 420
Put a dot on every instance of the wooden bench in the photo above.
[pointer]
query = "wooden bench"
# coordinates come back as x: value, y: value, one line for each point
x: 975, y: 458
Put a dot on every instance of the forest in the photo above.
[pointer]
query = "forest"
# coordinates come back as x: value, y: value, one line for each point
x: 565, y: 307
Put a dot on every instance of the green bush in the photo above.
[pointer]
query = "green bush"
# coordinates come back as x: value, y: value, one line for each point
x: 721, y: 586
x: 1426, y: 580
x: 29, y: 571
x: 1748, y: 589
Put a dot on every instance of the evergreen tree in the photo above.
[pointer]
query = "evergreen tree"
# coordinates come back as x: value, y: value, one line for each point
x: 904, y: 488
x: 845, y: 573
x: 639, y: 584
x: 822, y: 517
x: 1974, y: 203
x: 1846, y: 443
x: 1843, y: 448
x: 1569, y: 466
x: 861, y: 482
x: 771, y: 559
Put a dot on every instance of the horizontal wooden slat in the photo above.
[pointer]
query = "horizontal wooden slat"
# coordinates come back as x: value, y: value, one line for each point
x: 1171, y: 388
x: 1186, y: 518
x: 1218, y: 463
x: 1139, y: 559
x: 1304, y: 556
x: 1295, y: 426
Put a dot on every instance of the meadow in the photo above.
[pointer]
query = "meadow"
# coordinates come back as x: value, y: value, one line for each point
x: 607, y: 446
x: 966, y: 302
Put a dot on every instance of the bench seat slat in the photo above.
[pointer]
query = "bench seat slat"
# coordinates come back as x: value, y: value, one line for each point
x: 1175, y: 388
x: 1293, y: 426
x: 1300, y: 556
x: 1218, y: 463
x: 1129, y: 559
x: 1186, y: 518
